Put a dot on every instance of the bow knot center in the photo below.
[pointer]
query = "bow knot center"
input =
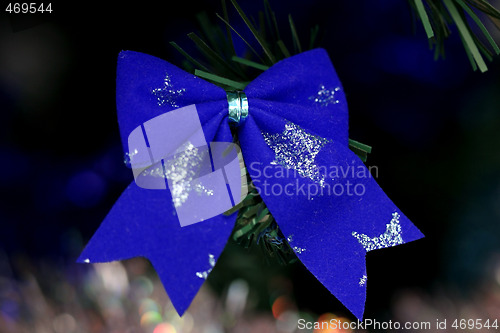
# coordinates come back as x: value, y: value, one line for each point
x: 238, y: 107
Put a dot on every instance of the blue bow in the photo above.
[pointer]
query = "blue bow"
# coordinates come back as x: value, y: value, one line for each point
x: 295, y: 146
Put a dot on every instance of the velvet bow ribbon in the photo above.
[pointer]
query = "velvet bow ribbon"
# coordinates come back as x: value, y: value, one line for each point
x: 295, y: 145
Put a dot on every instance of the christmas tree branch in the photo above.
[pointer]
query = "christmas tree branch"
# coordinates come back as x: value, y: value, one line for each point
x: 437, y: 16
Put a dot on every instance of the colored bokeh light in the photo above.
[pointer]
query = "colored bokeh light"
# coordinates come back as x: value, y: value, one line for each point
x: 330, y: 323
x: 164, y: 328
x: 150, y: 318
x: 281, y: 305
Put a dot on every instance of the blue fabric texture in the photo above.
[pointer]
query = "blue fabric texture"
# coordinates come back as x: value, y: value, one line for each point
x: 295, y: 146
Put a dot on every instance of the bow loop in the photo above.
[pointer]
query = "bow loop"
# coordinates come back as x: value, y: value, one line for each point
x: 147, y: 87
x: 306, y: 90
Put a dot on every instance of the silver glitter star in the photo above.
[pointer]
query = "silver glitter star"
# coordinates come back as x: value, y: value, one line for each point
x: 211, y: 261
x: 325, y: 96
x: 167, y: 94
x: 182, y: 172
x: 391, y: 236
x: 296, y: 149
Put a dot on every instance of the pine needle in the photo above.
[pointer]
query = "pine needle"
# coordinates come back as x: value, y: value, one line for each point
x: 241, y: 37
x: 254, y: 31
x: 209, y: 53
x: 465, y: 32
x: 220, y: 79
x: 249, y: 63
x: 437, y: 16
x: 188, y: 57
x: 228, y: 27
x: 295, y: 36
x: 425, y: 19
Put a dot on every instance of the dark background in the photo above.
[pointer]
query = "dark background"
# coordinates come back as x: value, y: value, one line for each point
x: 434, y: 127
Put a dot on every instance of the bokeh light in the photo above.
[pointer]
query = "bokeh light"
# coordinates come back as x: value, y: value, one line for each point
x: 330, y: 323
x: 148, y: 305
x: 164, y: 328
x: 150, y: 318
x: 64, y: 323
x: 281, y: 305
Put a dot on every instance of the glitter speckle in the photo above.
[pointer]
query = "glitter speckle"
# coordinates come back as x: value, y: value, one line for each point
x: 296, y: 149
x: 211, y: 261
x: 295, y: 249
x: 167, y: 94
x: 362, y: 281
x: 128, y: 157
x: 325, y: 96
x: 391, y: 236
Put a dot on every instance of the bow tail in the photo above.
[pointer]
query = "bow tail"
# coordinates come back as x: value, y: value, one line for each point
x: 143, y: 223
x: 327, y: 204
